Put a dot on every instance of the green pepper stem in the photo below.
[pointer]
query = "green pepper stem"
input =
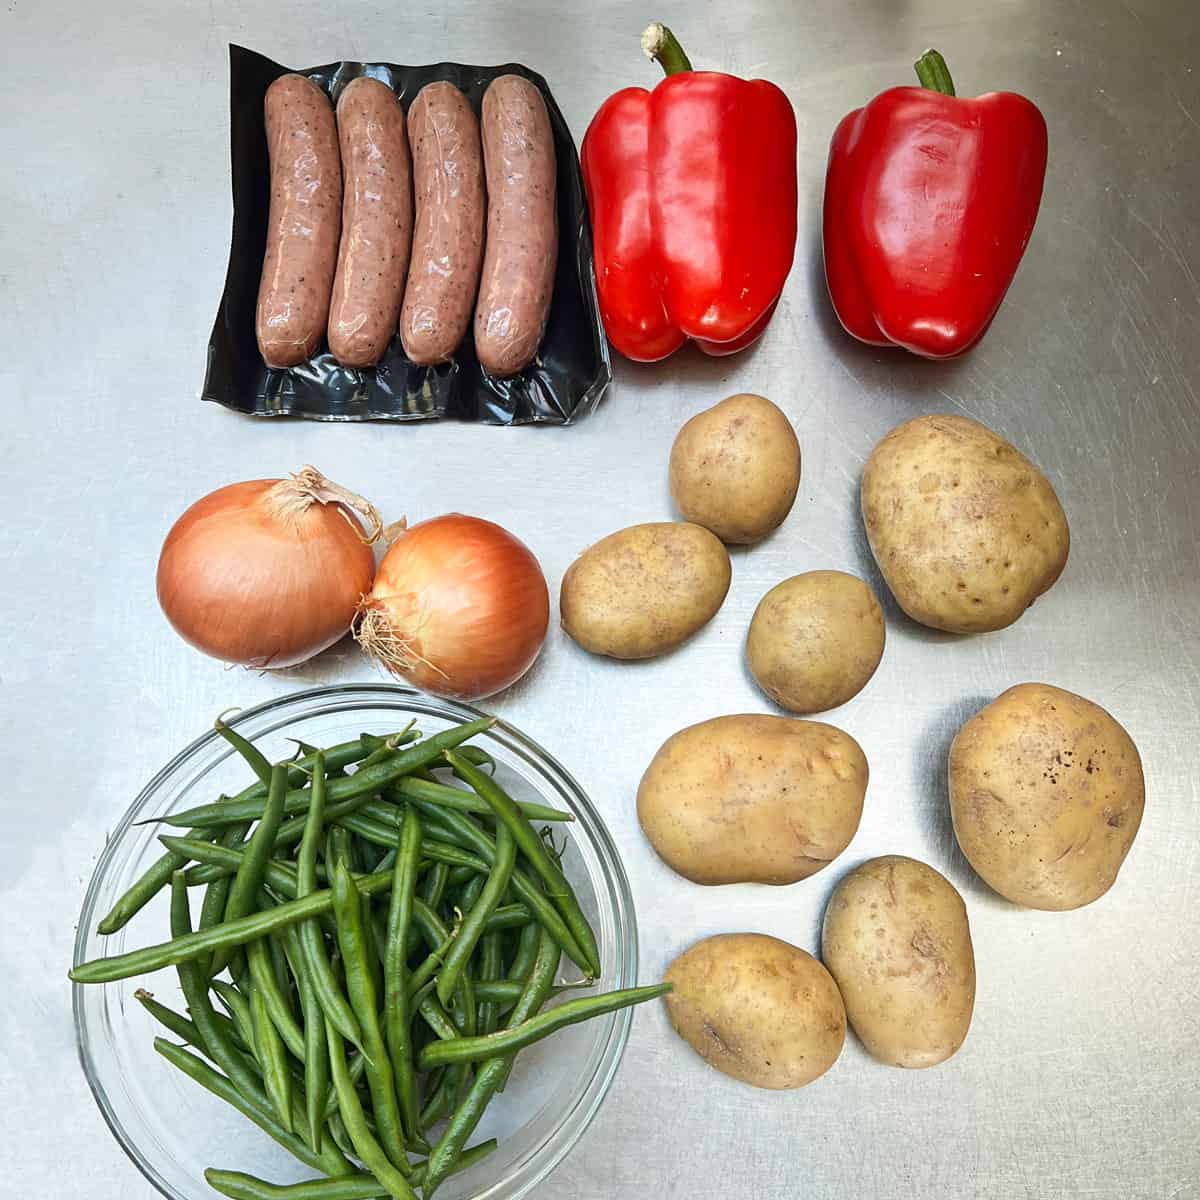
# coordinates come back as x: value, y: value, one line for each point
x: 661, y: 45
x: 933, y: 73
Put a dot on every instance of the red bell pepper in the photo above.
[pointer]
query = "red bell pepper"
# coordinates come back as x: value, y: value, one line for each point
x: 692, y: 190
x: 929, y: 203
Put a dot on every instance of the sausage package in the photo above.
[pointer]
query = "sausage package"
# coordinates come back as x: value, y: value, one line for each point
x: 570, y: 372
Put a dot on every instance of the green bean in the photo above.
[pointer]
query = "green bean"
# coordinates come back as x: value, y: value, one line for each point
x: 434, y: 887
x: 231, y: 933
x: 523, y: 959
x: 397, y: 1017
x: 239, y: 1009
x: 360, y: 986
x: 216, y: 895
x: 472, y: 1049
x: 470, y: 893
x: 366, y: 781
x: 257, y: 855
x: 490, y: 965
x: 457, y: 827
x: 316, y: 1051
x: 497, y: 991
x: 146, y: 887
x: 158, y: 875
x: 369, y: 1151
x: 246, y: 929
x: 280, y: 876
x: 463, y: 801
x: 330, y: 1159
x: 178, y: 1024
x: 493, y: 1074
x: 256, y: 760
x: 312, y: 944
x: 439, y: 1102
x: 266, y: 986
x: 214, y: 1040
x: 438, y: 1019
x: 239, y: 1186
x: 272, y: 1058
x: 460, y: 874
x: 344, y: 754
x: 535, y: 850
x: 290, y: 832
x: 478, y: 757
x: 477, y: 915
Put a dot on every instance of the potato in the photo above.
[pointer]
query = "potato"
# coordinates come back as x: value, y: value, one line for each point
x: 967, y: 531
x: 896, y: 940
x: 753, y: 799
x: 815, y: 640
x: 735, y: 468
x: 644, y: 590
x: 1047, y: 793
x: 758, y: 1009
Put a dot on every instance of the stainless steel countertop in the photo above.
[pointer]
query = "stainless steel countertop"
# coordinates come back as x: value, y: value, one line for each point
x: 1079, y: 1075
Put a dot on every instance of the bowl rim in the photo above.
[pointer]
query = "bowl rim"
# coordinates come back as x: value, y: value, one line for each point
x: 536, y: 1163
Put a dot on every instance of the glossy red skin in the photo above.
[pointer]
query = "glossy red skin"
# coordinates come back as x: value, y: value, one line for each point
x: 930, y: 201
x: 692, y: 191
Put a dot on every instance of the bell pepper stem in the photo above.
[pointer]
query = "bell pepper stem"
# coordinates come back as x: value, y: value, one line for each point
x: 933, y: 73
x: 661, y: 45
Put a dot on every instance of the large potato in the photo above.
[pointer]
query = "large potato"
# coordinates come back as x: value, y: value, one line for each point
x: 967, y: 531
x: 758, y: 1009
x: 815, y: 640
x: 896, y: 940
x: 644, y: 590
x: 735, y: 468
x: 1046, y: 792
x: 753, y: 799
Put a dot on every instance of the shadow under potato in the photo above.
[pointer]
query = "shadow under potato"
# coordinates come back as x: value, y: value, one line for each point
x: 933, y: 775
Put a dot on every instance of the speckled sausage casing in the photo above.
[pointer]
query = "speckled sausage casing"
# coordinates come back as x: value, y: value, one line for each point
x: 377, y: 223
x: 522, y: 226
x: 304, y: 222
x: 447, y: 250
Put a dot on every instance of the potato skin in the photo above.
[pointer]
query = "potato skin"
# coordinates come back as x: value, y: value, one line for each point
x: 758, y: 1009
x: 815, y: 640
x: 897, y: 941
x: 753, y: 799
x: 966, y: 530
x: 644, y: 590
x: 1047, y: 794
x: 735, y: 468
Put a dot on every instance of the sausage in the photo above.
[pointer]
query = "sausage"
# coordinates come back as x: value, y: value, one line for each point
x: 522, y: 226
x: 448, y: 234
x: 377, y: 223
x: 303, y: 226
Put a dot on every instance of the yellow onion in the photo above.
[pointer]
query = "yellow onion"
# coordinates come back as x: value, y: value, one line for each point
x: 269, y: 572
x: 459, y: 608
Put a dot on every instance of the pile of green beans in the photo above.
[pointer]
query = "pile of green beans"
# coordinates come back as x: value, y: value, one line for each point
x: 376, y: 941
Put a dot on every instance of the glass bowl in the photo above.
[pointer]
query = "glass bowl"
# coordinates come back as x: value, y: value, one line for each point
x: 173, y: 1129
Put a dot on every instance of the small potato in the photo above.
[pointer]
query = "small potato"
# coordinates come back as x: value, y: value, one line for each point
x: 967, y: 531
x: 753, y: 799
x: 1047, y: 793
x: 758, y: 1009
x: 815, y: 640
x: 735, y: 468
x: 644, y: 590
x: 896, y: 940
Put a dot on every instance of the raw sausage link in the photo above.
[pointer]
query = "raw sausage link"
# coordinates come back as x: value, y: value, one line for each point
x: 522, y: 226
x: 376, y: 223
x: 448, y: 236
x: 305, y: 218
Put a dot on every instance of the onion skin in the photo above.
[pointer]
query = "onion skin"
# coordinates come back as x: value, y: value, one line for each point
x: 459, y: 608
x: 239, y: 583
